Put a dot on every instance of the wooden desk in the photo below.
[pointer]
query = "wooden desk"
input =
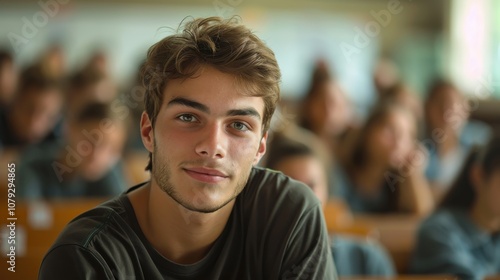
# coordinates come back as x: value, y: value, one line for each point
x: 395, y: 232
x: 37, y: 226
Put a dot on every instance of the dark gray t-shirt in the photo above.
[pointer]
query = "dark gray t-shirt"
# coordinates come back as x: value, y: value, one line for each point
x: 276, y: 231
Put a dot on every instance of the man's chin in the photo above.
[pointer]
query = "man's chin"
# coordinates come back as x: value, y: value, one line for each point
x: 205, y: 207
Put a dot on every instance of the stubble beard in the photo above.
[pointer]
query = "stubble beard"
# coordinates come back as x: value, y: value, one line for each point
x: 162, y: 174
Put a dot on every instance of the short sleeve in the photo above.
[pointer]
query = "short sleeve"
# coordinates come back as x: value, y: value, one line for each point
x: 309, y: 255
x: 72, y: 262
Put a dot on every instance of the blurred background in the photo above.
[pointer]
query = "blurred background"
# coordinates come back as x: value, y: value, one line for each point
x: 458, y: 39
x: 71, y: 99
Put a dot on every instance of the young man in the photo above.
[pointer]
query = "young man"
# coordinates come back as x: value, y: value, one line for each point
x: 207, y: 212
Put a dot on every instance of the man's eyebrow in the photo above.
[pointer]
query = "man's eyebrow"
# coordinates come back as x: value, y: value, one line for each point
x: 188, y: 103
x: 244, y: 112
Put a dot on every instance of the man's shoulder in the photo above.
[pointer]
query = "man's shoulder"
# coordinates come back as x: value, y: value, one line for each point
x: 101, y: 223
x: 273, y: 187
x: 100, y: 243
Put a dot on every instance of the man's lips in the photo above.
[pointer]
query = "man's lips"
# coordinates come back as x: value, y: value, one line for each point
x: 206, y: 175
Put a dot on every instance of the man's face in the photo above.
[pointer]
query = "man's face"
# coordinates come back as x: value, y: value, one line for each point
x: 206, y: 138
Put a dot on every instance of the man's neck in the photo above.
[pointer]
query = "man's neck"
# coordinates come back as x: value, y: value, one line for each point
x: 180, y: 235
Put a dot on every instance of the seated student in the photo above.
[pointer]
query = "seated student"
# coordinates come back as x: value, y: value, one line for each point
x: 327, y: 112
x: 405, y: 96
x: 447, y: 114
x: 33, y: 114
x: 383, y: 172
x: 352, y: 257
x: 8, y: 78
x: 89, y: 85
x: 53, y: 62
x: 207, y: 212
x: 86, y: 164
x: 386, y: 75
x: 462, y: 236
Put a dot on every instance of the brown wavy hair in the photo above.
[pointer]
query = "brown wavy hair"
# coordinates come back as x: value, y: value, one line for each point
x: 223, y: 44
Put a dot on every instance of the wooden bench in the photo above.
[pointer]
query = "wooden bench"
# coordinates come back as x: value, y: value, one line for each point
x: 395, y: 232
x: 38, y: 224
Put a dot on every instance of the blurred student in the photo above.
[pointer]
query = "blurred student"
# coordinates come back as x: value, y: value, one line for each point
x: 384, y: 171
x: 86, y: 164
x: 352, y: 256
x: 385, y: 75
x: 99, y: 62
x: 53, y: 62
x: 132, y: 97
x: 462, y: 237
x: 448, y: 125
x: 86, y: 86
x: 326, y: 110
x: 34, y: 112
x: 8, y: 79
x: 405, y: 96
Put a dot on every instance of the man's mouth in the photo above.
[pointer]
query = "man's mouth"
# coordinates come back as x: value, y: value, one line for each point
x: 206, y: 175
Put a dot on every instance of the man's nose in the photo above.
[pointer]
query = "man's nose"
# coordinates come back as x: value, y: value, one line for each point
x: 213, y: 142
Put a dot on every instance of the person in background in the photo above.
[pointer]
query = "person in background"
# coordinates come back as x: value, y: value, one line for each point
x: 405, y: 96
x: 326, y: 111
x: 352, y: 256
x: 462, y: 236
x: 385, y: 75
x: 98, y: 61
x: 448, y: 125
x: 86, y: 164
x: 384, y: 171
x: 8, y: 79
x: 34, y: 113
x: 53, y: 62
x: 86, y: 86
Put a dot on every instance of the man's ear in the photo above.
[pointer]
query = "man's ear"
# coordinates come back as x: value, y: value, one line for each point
x: 147, y: 134
x: 262, y: 148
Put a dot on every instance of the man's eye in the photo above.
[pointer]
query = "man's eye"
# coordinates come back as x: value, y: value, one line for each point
x: 239, y: 126
x: 187, y: 118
